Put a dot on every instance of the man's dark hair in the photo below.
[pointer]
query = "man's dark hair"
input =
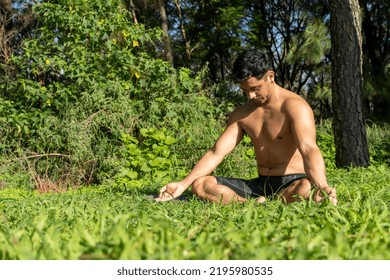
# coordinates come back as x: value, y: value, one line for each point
x: 251, y: 63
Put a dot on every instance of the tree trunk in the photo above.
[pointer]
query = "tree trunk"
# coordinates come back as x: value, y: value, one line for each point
x: 6, y: 13
x: 348, y: 119
x: 164, y: 26
x: 183, y: 31
x: 131, y: 7
x: 14, y: 27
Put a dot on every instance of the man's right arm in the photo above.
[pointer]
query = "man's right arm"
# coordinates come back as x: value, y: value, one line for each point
x: 229, y: 139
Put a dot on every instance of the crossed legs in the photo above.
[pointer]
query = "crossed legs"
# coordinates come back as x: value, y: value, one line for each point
x: 208, y: 189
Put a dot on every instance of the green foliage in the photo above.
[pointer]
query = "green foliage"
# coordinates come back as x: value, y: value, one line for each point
x: 152, y: 160
x: 311, y: 45
x: 89, y: 76
x: 241, y: 163
x: 211, y: 42
x: 378, y: 136
x: 93, y: 104
x: 86, y: 54
x: 379, y: 143
x: 113, y: 223
x: 325, y: 142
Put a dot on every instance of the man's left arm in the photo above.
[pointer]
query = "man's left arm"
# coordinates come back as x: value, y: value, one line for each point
x: 304, y: 130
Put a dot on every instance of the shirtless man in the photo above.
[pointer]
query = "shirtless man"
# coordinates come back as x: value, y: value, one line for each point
x: 282, y: 128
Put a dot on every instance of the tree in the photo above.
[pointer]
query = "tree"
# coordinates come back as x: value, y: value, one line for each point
x: 153, y: 14
x: 297, y: 38
x: 164, y: 26
x: 376, y: 42
x: 348, y: 120
x: 16, y: 22
x: 207, y: 33
x: 183, y: 31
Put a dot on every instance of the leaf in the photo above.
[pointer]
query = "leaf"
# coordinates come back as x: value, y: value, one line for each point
x: 158, y: 161
x: 145, y: 168
x: 131, y: 174
x: 169, y: 140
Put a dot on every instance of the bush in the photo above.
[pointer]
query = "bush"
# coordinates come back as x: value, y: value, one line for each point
x: 87, y: 77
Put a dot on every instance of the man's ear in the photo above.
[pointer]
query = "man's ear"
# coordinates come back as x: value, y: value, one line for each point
x: 271, y: 76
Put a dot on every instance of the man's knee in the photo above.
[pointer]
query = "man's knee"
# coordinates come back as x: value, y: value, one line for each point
x: 303, y: 188
x: 200, y: 184
x: 297, y: 190
x: 197, y: 186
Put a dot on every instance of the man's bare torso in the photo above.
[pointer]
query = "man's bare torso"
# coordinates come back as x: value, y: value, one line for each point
x: 269, y: 128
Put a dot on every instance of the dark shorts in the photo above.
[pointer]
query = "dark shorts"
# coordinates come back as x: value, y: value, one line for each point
x: 262, y: 186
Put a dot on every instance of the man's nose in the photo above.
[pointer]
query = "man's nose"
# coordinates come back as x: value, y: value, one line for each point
x: 251, y: 94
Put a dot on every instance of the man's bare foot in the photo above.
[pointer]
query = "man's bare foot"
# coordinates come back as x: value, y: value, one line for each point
x: 261, y: 200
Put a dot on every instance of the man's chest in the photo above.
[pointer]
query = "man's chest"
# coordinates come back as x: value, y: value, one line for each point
x: 266, y: 126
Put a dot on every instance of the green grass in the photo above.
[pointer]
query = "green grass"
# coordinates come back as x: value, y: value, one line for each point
x: 118, y: 223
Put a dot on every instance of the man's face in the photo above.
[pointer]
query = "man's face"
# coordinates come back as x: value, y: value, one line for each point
x: 258, y: 90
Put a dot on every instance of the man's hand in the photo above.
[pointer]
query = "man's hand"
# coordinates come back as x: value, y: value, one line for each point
x: 170, y: 191
x: 322, y: 193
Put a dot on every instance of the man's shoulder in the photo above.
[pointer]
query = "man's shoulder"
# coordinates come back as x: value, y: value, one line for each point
x: 244, y: 108
x: 296, y: 105
x: 241, y: 112
x: 294, y: 100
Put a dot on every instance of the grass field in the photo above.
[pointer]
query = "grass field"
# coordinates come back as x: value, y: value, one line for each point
x: 119, y: 223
